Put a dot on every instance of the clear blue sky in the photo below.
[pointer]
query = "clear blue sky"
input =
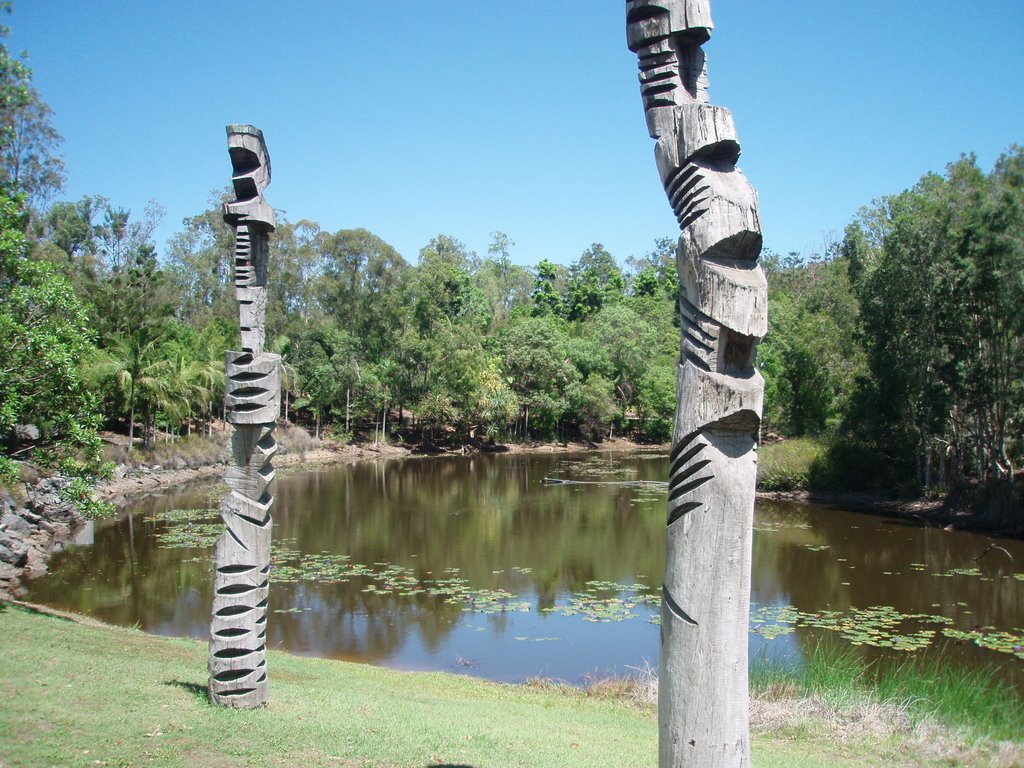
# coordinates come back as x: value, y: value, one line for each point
x: 448, y: 116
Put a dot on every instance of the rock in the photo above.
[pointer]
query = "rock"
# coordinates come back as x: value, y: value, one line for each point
x: 30, y: 518
x: 27, y: 433
x: 9, y: 579
x: 36, y: 564
x: 45, y: 501
x: 15, y: 557
x: 15, y: 524
x: 27, y: 473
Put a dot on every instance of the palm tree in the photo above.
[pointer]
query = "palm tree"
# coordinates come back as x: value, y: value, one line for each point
x: 282, y: 345
x: 194, y: 382
x: 140, y: 371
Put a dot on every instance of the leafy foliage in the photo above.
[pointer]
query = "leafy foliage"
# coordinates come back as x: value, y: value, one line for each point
x: 44, y: 334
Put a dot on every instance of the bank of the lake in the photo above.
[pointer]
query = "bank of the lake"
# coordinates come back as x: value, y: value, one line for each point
x: 802, y: 470
x: 145, y: 477
x: 79, y: 693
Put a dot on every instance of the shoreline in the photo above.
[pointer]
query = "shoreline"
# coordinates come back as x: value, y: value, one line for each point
x: 131, y: 688
x: 934, y: 513
x: 144, y: 480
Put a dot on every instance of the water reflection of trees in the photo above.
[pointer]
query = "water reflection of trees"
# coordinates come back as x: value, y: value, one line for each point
x: 491, y: 518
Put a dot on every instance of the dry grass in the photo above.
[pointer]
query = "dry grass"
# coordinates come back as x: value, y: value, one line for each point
x: 639, y: 687
x: 856, y: 720
x: 200, y: 450
x: 848, y: 719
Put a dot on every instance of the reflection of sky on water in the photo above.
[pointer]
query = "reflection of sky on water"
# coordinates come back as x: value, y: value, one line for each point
x: 518, y: 646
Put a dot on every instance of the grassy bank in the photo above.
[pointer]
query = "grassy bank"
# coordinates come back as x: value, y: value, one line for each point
x: 969, y: 705
x: 787, y: 465
x: 79, y: 694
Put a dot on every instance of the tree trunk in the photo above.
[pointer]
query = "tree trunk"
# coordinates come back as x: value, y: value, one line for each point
x: 928, y: 467
x: 131, y: 416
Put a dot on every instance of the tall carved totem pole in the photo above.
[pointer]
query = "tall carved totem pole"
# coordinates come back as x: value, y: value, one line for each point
x: 252, y: 394
x: 703, y: 698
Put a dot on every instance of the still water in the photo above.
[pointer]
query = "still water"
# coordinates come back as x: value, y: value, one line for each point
x: 473, y: 565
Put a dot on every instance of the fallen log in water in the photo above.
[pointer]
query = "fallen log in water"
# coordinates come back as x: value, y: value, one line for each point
x: 636, y: 483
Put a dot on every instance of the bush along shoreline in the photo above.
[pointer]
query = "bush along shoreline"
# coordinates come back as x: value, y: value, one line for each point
x: 852, y: 477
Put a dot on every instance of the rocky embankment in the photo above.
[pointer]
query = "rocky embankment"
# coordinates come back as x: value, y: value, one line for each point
x: 29, y: 532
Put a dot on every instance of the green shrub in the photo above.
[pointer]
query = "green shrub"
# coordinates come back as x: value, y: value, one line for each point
x: 850, y: 466
x: 787, y: 465
x: 79, y: 493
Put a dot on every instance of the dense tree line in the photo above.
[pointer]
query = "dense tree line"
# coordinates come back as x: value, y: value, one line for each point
x: 938, y: 272
x: 900, y: 346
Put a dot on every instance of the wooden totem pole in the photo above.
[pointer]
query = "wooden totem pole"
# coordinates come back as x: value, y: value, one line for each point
x: 252, y: 394
x: 703, y: 698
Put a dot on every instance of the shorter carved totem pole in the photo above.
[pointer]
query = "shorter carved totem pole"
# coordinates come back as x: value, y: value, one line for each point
x: 252, y: 395
x: 703, y: 698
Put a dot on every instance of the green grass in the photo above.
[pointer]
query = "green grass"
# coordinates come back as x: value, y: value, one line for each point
x: 78, y: 694
x: 786, y: 465
x: 973, y: 701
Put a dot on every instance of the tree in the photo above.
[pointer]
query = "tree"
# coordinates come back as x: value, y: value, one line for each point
x: 593, y: 403
x: 69, y: 227
x: 656, y: 401
x: 28, y: 158
x: 443, y: 292
x: 121, y: 238
x: 594, y: 279
x: 627, y: 345
x: 44, y: 335
x: 497, y: 406
x: 28, y: 139
x: 143, y: 374
x: 363, y: 284
x: 504, y: 284
x: 937, y: 270
x: 645, y: 284
x: 660, y: 262
x: 547, y: 300
x: 200, y: 261
x: 535, y: 357
x: 296, y: 266
x: 813, y: 354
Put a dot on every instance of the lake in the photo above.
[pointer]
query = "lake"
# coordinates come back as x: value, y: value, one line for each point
x: 473, y: 565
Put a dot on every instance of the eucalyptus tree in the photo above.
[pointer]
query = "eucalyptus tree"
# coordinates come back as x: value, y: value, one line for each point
x: 200, y: 260
x: 362, y: 284
x: 504, y: 284
x: 28, y: 150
